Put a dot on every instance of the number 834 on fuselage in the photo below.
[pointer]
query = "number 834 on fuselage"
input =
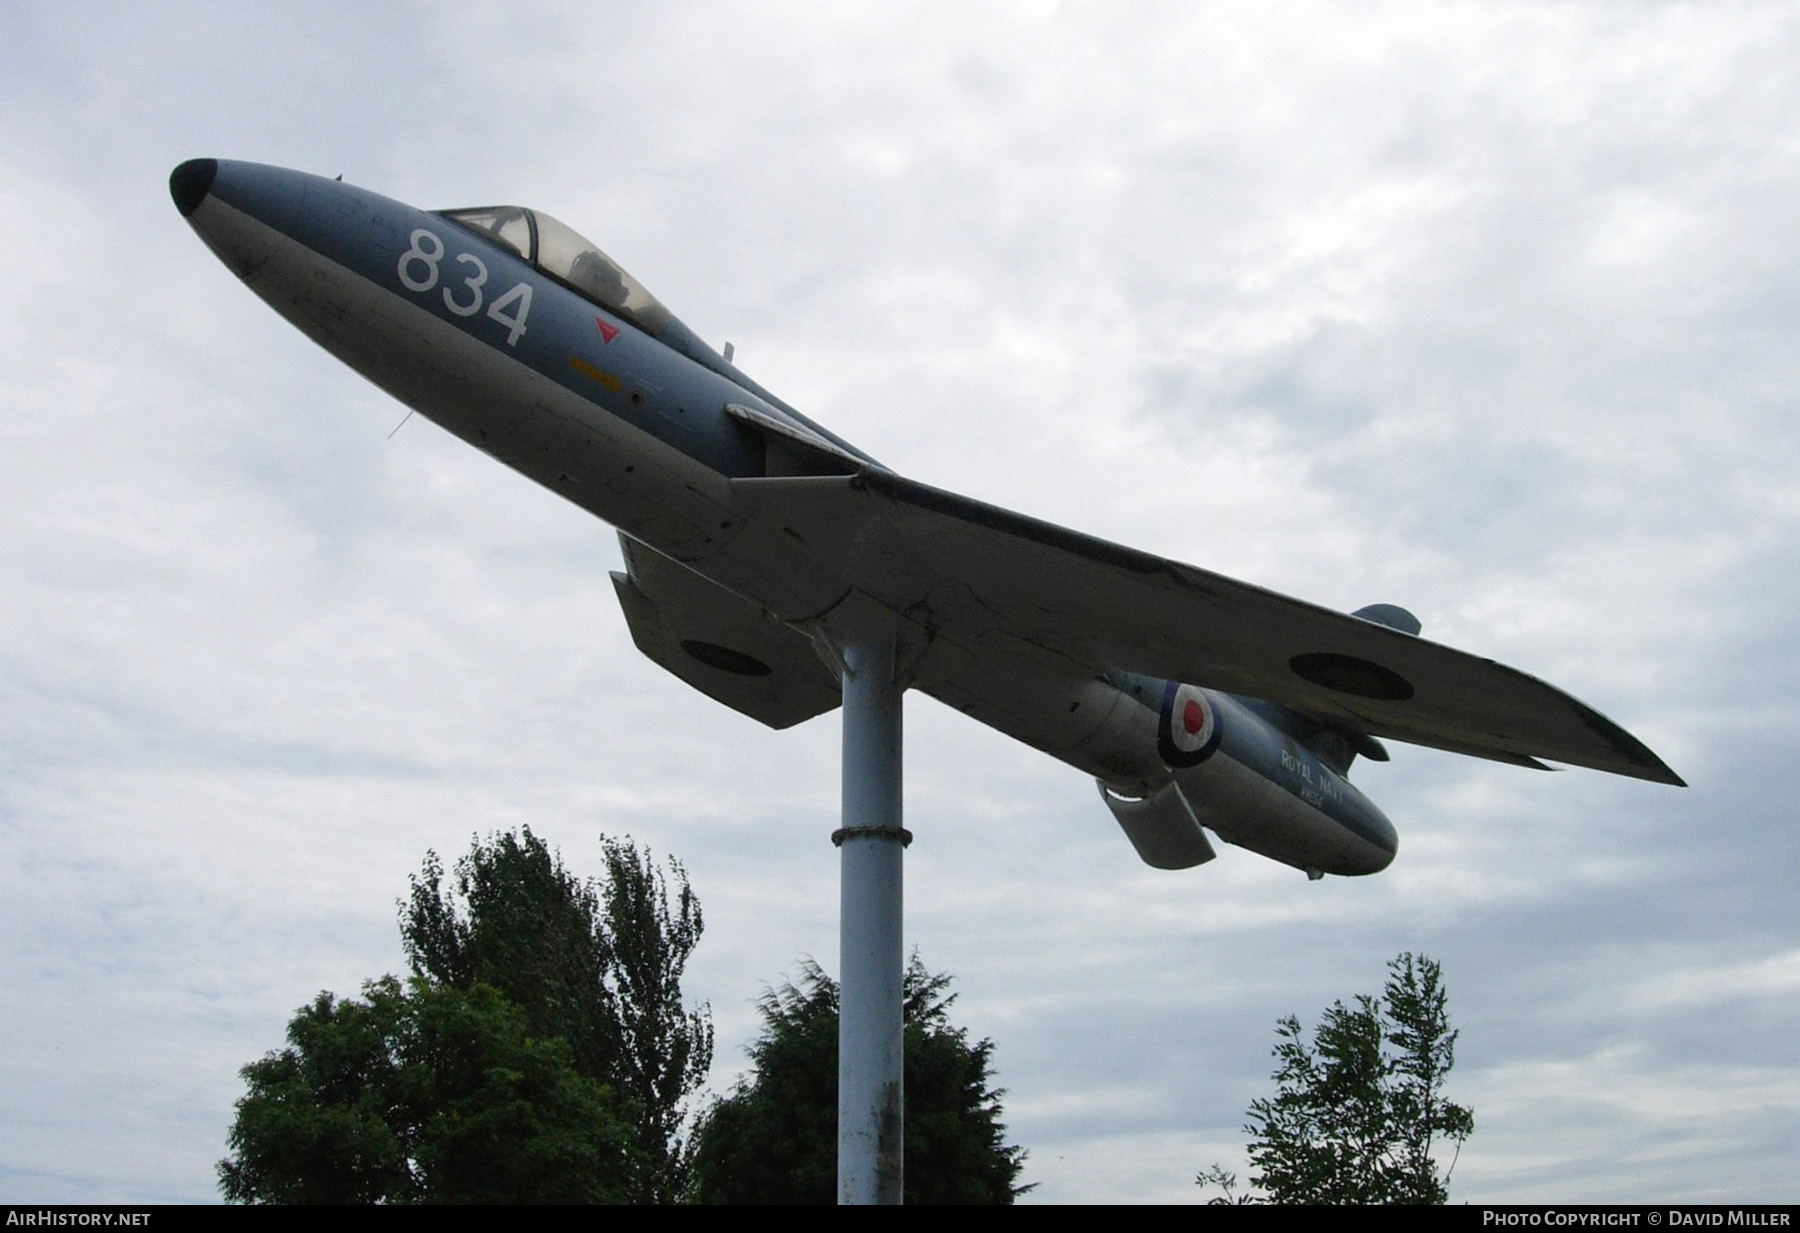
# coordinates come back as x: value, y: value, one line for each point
x: 753, y: 536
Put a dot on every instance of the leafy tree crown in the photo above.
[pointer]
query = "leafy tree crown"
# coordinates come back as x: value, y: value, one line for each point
x: 774, y: 1139
x: 541, y: 1050
x: 1359, y: 1110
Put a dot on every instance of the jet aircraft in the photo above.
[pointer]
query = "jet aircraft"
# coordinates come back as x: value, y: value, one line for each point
x: 760, y: 549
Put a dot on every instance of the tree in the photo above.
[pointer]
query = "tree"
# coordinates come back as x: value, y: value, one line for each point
x: 665, y: 1049
x: 516, y: 919
x: 580, y: 981
x: 1358, y: 1112
x: 774, y: 1139
x: 597, y: 963
x: 422, y: 1094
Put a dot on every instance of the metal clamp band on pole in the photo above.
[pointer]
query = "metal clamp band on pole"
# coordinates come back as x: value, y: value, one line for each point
x: 871, y: 832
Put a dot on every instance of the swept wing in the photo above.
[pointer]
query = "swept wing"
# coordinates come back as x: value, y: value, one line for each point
x: 968, y: 571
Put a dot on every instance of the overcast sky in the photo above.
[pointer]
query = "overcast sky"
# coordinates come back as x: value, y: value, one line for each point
x: 1489, y: 310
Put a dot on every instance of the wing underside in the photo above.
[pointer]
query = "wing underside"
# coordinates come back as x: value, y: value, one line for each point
x: 973, y: 571
x: 726, y: 647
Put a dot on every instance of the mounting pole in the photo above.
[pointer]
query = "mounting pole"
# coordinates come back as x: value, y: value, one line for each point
x: 872, y: 844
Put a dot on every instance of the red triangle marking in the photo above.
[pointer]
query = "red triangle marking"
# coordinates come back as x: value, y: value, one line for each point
x: 608, y: 332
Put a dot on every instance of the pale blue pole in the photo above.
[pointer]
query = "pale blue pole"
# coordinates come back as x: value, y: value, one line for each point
x: 871, y: 844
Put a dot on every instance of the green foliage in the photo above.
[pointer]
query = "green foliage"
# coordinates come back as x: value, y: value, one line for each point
x: 540, y: 1004
x: 1357, y: 1112
x: 1226, y: 1181
x: 774, y: 1139
x: 596, y: 963
x: 517, y: 920
x: 423, y: 1094
x: 666, y: 1049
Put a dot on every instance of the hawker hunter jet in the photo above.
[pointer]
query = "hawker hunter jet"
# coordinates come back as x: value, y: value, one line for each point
x: 756, y: 542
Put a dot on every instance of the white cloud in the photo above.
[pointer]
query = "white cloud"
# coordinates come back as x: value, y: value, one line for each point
x: 1486, y: 310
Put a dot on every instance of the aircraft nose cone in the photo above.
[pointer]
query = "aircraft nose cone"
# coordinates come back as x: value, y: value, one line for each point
x: 190, y: 182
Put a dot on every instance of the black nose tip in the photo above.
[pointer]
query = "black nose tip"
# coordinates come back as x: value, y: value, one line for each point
x: 190, y: 182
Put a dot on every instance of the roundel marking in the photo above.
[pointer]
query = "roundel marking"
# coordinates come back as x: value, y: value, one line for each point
x: 1349, y: 675
x: 1188, y: 731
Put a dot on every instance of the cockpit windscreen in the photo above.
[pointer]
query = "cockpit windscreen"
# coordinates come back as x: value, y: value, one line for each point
x: 565, y: 255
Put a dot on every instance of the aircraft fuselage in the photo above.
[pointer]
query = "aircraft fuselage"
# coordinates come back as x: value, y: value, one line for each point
x: 660, y: 437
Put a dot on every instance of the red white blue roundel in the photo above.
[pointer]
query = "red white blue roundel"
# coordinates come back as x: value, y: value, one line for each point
x: 1189, y: 729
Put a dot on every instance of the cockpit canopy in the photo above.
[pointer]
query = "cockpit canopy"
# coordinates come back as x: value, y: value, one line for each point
x: 559, y: 251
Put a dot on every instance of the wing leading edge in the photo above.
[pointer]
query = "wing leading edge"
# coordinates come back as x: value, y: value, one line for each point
x: 967, y: 570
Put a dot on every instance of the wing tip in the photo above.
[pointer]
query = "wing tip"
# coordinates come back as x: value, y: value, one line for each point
x: 1665, y: 775
x: 1641, y: 762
